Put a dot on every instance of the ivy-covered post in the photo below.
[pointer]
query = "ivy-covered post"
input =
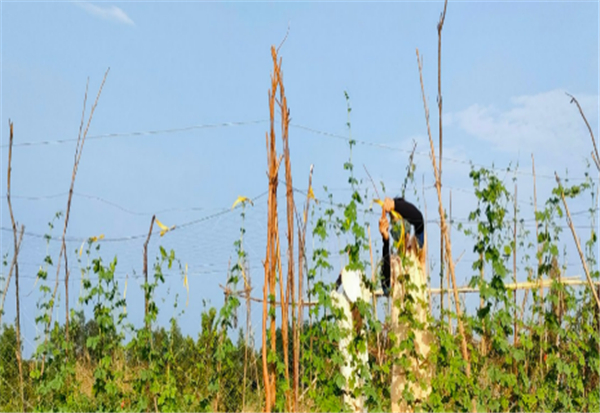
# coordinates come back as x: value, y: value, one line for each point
x: 353, y: 343
x: 410, y: 328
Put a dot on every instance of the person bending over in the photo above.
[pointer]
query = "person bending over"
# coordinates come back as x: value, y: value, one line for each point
x: 408, y: 212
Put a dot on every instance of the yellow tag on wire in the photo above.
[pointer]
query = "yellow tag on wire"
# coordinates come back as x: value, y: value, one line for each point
x: 163, y: 228
x: 242, y: 199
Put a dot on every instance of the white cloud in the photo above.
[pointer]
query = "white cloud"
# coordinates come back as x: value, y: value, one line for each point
x: 546, y: 122
x: 112, y: 13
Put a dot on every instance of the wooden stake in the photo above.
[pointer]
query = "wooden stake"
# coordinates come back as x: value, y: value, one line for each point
x: 17, y: 245
x: 570, y: 222
x: 448, y: 245
x: 515, y: 339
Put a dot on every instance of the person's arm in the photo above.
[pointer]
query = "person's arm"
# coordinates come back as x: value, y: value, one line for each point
x: 385, y: 267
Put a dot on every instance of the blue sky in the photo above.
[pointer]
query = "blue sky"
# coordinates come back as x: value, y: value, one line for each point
x: 506, y: 68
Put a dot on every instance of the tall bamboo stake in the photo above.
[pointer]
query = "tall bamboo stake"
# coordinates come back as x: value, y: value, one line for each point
x: 16, y: 266
x: 271, y: 259
x: 440, y: 26
x: 448, y: 272
x: 515, y: 339
x: 581, y: 256
x: 290, y: 286
x: 301, y: 261
x: 448, y: 245
x: 145, y: 271
x: 595, y: 155
x: 78, y: 151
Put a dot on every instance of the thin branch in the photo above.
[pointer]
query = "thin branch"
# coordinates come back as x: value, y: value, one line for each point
x: 78, y: 152
x: 440, y: 26
x: 145, y: 271
x: 596, y: 158
x: 287, y: 32
x: 301, y: 260
x: 581, y: 256
x: 372, y: 182
x: 409, y: 168
x: 16, y: 249
x: 516, y: 326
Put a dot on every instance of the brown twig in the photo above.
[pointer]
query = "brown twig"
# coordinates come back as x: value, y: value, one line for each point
x: 287, y: 32
x: 145, y: 271
x: 78, y: 151
x: 440, y: 26
x: 516, y: 329
x: 271, y: 258
x: 16, y: 261
x: 581, y: 256
x: 595, y: 155
x: 290, y: 286
x: 448, y: 245
x: 409, y: 168
x: 146, y: 295
x: 301, y: 261
x: 448, y: 272
x: 372, y: 182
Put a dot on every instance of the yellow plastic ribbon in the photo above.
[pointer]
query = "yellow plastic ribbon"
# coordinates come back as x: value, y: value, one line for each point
x: 242, y: 199
x: 163, y: 228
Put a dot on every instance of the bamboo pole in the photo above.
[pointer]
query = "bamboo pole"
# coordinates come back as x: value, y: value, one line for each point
x: 290, y: 285
x: 440, y: 26
x: 524, y: 285
x: 17, y: 244
x: 595, y: 155
x: 78, y: 151
x: 300, y: 318
x: 448, y: 245
x: 448, y: 273
x: 515, y: 339
x: 570, y: 222
x: 271, y: 259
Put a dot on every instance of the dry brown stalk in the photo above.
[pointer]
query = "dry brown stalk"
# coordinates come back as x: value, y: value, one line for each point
x: 145, y: 271
x: 448, y: 271
x: 78, y: 151
x: 448, y: 244
x: 301, y: 260
x: 248, y: 288
x: 595, y: 155
x: 516, y: 330
x: 271, y: 258
x: 16, y: 249
x: 581, y: 256
x: 440, y: 26
x: 284, y: 321
x: 290, y: 285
